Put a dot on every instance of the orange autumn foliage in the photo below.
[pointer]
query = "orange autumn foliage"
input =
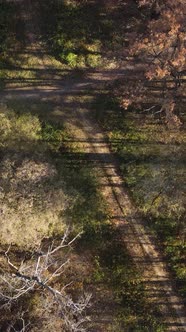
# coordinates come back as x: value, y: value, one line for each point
x: 161, y: 47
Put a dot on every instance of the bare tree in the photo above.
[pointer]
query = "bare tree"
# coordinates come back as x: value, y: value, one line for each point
x: 38, y: 274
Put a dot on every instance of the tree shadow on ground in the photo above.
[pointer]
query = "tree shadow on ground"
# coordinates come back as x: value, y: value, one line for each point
x: 82, y: 28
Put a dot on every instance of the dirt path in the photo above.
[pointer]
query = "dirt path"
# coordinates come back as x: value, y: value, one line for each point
x: 72, y: 97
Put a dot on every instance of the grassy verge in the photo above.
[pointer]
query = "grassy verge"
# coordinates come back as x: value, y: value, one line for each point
x: 152, y: 164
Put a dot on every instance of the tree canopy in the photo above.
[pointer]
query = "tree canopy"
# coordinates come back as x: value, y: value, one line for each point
x: 159, y: 45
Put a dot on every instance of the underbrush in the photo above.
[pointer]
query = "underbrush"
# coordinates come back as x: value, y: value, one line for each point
x: 32, y: 193
x: 6, y: 36
x: 45, y: 186
x: 10, y: 26
x: 17, y: 65
x: 7, y: 10
x: 118, y: 280
x: 152, y: 164
x: 78, y: 31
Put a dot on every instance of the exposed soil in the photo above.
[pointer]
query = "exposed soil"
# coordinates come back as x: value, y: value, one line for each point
x: 72, y: 97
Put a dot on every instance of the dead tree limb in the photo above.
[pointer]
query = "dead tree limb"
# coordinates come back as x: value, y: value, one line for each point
x: 38, y: 274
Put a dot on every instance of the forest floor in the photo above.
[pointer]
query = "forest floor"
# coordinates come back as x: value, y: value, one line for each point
x: 72, y: 96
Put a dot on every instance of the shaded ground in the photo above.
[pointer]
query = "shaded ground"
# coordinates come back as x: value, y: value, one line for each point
x: 71, y: 97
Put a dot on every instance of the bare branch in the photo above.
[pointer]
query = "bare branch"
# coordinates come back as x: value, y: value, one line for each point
x: 38, y: 276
